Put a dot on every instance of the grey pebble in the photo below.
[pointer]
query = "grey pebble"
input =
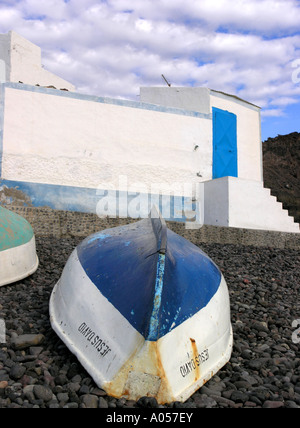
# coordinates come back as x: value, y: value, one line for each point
x: 103, y: 403
x: 37, y: 370
x: 17, y: 371
x: 90, y: 401
x: 63, y: 396
x: 273, y: 404
x: 42, y: 392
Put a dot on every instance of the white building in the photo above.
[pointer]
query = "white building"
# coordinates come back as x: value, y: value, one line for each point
x: 195, y: 147
x: 232, y: 173
x: 21, y: 61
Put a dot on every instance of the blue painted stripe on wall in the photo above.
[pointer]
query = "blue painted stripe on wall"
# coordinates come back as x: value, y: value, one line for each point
x: 89, y: 200
x: 53, y: 196
x: 104, y: 100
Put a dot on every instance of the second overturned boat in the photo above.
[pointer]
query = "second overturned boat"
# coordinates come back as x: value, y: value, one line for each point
x: 145, y: 311
x: 18, y: 258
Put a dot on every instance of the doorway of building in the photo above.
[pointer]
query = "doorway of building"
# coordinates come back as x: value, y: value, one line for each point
x: 225, y: 161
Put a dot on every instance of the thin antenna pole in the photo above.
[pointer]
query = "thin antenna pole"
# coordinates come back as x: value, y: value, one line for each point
x: 169, y: 84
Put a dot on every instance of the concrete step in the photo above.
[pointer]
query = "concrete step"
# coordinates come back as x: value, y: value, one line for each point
x: 246, y: 204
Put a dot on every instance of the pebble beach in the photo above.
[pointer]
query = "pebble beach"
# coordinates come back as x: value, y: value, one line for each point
x: 38, y: 371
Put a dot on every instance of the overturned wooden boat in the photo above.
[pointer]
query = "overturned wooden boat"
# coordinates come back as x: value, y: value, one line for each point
x: 145, y: 311
x: 18, y: 258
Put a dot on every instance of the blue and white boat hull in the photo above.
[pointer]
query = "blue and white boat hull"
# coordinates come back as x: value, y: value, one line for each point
x: 145, y: 311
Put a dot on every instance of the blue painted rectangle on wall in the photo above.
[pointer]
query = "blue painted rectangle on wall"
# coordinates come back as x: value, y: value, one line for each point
x: 103, y: 202
x: 225, y: 160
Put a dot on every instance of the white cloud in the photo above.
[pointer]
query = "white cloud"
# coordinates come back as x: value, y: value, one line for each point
x: 284, y: 101
x: 112, y: 47
x: 9, y: 17
x: 39, y: 9
x: 272, y: 113
x: 264, y: 16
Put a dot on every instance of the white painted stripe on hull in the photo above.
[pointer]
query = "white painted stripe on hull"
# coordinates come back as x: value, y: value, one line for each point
x: 79, y: 313
x: 193, y: 352
x: 18, y: 262
x: 120, y: 360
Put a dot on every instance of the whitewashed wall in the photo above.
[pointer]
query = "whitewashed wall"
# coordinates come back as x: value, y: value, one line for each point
x: 203, y: 100
x: 5, y: 56
x: 23, y: 62
x: 70, y: 140
x: 194, y: 99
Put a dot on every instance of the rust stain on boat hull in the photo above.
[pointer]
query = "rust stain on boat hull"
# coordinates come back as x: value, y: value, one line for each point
x: 143, y: 375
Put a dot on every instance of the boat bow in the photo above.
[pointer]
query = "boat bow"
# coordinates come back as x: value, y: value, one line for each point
x: 145, y: 311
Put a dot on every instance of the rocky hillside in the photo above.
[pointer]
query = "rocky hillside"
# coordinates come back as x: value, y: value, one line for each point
x: 281, y: 159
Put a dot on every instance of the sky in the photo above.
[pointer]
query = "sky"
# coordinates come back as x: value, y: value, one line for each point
x: 110, y: 48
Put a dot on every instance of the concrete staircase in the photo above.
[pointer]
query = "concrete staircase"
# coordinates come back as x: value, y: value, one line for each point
x: 235, y: 202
